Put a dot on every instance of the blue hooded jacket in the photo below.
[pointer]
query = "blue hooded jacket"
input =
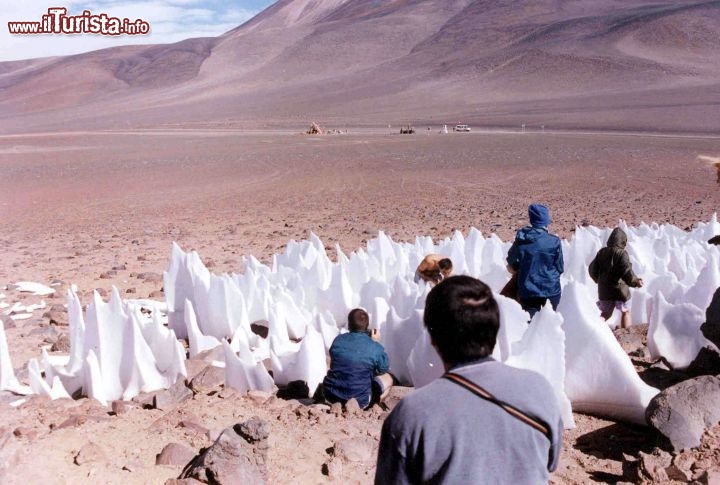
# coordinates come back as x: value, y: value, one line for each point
x: 537, y: 257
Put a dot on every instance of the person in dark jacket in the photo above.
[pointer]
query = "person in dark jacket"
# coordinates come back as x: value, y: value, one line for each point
x: 536, y: 256
x: 612, y: 271
x: 358, y: 364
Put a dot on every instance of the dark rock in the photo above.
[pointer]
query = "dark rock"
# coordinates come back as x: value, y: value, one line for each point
x: 260, y: 328
x: 682, y: 412
x: 131, y: 291
x: 239, y: 455
x: 294, y: 390
x: 119, y: 267
x: 90, y: 452
x: 711, y: 327
x: 172, y: 397
x: 174, y: 454
x: 707, y: 362
x: 207, y: 380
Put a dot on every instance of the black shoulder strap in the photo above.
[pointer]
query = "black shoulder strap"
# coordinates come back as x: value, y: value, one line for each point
x: 532, y: 421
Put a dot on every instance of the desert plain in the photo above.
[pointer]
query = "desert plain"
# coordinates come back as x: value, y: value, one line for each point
x: 102, y: 208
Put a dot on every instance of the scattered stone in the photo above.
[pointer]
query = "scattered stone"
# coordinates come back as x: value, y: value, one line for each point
x: 150, y: 277
x: 333, y: 468
x: 682, y: 412
x: 108, y: 275
x: 193, y: 426
x: 228, y: 393
x: 122, y: 407
x: 208, y: 380
x: 358, y: 449
x: 62, y: 344
x: 352, y: 407
x: 174, y: 454
x: 145, y: 399
x: 89, y: 453
x: 631, y: 339
x: 57, y: 317
x: 260, y: 328
x: 172, y: 397
x: 239, y: 455
x: 131, y: 291
x: 119, y: 267
x: 258, y: 397
x: 336, y: 409
x: 25, y: 432
x: 681, y: 468
x: 652, y: 466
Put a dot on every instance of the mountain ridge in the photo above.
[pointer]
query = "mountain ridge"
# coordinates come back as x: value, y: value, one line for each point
x: 384, y: 62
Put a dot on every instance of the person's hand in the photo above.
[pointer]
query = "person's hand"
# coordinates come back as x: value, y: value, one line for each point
x: 375, y: 334
x: 640, y: 283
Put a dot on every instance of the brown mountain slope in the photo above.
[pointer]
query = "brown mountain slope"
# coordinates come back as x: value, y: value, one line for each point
x: 607, y: 64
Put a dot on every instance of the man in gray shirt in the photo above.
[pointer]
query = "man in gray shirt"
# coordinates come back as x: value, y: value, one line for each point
x: 446, y: 432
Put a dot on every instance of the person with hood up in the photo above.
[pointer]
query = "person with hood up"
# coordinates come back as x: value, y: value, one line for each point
x: 537, y: 260
x: 612, y: 271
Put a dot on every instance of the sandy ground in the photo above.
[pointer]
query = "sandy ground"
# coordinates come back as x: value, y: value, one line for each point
x: 100, y: 209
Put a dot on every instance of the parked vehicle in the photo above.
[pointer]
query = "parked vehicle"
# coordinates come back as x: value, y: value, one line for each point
x: 461, y: 128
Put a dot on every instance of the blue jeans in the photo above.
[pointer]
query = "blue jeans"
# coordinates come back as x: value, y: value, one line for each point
x: 533, y: 305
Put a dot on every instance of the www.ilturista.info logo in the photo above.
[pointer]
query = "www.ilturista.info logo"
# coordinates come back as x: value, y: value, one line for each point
x: 58, y: 22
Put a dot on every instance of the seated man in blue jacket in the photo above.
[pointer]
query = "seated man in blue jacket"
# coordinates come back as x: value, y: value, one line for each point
x: 358, y: 364
x: 536, y: 256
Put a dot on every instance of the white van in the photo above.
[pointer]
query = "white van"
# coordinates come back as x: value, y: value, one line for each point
x: 461, y: 128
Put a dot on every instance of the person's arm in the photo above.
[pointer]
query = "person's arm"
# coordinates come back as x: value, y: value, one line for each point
x: 559, y: 262
x: 593, y: 269
x: 628, y: 275
x: 382, y: 362
x: 513, y: 261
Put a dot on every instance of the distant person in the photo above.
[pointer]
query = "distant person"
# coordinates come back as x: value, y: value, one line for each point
x: 536, y: 256
x: 434, y: 268
x: 612, y: 271
x: 446, y: 433
x: 358, y: 364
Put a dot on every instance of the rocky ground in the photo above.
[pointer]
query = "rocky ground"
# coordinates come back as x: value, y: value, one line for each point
x: 99, y: 209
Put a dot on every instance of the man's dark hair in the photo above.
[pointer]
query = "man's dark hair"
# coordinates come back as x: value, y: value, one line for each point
x: 358, y: 320
x: 462, y: 318
x: 445, y: 263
